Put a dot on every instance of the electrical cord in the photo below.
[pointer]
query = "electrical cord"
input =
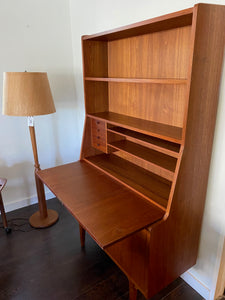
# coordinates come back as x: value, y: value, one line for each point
x: 19, y: 224
x: 22, y: 224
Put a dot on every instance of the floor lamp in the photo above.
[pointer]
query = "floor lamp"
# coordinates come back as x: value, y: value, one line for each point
x: 29, y: 94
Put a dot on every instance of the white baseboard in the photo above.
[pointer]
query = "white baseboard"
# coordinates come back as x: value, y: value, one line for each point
x: 196, y: 284
x: 25, y: 202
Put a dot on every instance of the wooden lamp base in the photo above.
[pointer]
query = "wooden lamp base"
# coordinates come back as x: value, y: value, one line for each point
x: 37, y: 221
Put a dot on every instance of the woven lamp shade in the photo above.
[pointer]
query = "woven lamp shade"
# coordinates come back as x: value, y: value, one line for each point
x: 27, y: 94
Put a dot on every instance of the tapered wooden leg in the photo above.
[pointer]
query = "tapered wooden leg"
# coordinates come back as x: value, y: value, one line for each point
x: 132, y: 291
x: 82, y: 236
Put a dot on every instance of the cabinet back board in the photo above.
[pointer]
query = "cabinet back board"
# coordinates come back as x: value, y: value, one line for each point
x: 160, y: 55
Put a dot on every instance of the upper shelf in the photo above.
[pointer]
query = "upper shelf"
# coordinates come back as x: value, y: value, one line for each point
x: 139, y: 80
x: 169, y: 21
x: 163, y: 131
x: 107, y: 210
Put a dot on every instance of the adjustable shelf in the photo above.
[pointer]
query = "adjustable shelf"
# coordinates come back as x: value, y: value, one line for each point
x: 157, y: 144
x: 159, y: 130
x: 139, y: 80
x: 160, y: 164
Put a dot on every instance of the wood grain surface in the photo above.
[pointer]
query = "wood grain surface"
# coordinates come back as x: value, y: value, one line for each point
x: 103, y: 207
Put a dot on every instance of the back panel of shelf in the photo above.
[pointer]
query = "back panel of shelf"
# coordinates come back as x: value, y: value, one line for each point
x: 153, y: 102
x: 160, y: 55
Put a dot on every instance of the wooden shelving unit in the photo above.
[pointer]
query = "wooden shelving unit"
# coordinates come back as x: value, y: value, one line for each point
x: 151, y: 93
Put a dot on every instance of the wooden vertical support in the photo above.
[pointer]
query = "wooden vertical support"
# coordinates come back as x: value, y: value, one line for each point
x: 44, y: 217
x: 132, y: 291
x: 82, y: 236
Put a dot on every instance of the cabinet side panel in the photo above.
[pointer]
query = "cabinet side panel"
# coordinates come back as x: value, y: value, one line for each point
x: 86, y: 148
x: 174, y: 243
x: 132, y: 256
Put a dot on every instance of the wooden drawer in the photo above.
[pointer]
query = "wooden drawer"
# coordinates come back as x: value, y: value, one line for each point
x: 98, y: 135
x: 97, y: 124
x: 100, y: 145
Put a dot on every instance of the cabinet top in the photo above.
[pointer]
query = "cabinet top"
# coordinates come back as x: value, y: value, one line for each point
x: 169, y: 21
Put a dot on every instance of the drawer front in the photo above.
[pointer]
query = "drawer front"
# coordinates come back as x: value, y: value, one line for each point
x: 98, y: 135
x: 97, y: 124
x: 100, y: 145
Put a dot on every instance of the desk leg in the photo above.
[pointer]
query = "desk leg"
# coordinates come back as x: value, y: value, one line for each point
x: 82, y: 236
x: 132, y: 291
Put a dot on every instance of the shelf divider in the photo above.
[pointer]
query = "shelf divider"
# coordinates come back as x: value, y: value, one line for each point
x: 157, y: 144
x: 159, y: 163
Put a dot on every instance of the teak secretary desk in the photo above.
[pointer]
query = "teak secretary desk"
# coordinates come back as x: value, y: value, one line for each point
x: 151, y: 93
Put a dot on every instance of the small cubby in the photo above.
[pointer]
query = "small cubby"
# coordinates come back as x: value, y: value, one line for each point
x: 143, y: 163
x: 160, y: 145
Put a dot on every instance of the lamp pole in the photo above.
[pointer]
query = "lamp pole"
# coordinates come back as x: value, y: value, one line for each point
x: 44, y: 217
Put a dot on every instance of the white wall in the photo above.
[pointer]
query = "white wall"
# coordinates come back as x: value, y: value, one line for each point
x: 88, y: 17
x: 36, y: 36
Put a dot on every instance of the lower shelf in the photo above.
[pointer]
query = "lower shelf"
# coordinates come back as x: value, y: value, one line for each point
x: 145, y: 183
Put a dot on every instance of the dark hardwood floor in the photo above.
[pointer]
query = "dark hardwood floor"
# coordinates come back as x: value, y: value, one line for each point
x: 49, y: 264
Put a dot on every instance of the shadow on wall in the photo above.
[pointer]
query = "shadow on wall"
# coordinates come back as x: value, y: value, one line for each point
x: 20, y: 181
x: 67, y: 123
x: 63, y: 90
